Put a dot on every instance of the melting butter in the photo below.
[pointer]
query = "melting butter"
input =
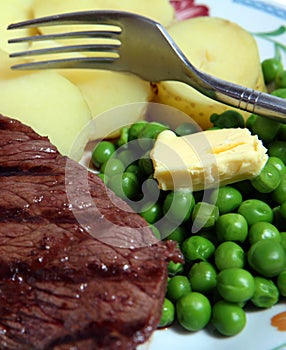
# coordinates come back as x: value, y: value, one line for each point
x: 206, y: 159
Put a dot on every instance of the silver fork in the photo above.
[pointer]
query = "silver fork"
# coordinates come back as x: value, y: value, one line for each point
x: 143, y: 47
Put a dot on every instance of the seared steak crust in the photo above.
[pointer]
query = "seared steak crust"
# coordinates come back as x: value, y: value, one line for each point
x: 73, y: 274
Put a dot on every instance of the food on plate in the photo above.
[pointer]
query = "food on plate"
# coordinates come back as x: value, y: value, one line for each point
x: 13, y: 11
x: 78, y: 267
x: 218, y: 47
x: 105, y: 90
x: 207, y: 159
x: 51, y: 105
x: 231, y: 236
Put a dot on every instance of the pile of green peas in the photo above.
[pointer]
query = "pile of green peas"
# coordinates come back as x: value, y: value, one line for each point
x: 237, y: 258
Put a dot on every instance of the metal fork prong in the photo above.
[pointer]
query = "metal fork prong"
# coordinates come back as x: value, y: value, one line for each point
x: 84, y: 17
x: 97, y: 34
x: 80, y: 62
x: 112, y: 48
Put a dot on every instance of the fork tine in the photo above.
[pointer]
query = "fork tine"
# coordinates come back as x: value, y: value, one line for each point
x: 84, y: 17
x: 108, y: 63
x: 112, y: 48
x: 106, y: 34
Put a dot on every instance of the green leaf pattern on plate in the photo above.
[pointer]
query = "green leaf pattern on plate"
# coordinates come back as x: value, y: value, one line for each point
x: 280, y: 347
x: 271, y: 36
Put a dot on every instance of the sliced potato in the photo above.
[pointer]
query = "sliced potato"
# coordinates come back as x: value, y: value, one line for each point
x: 5, y: 66
x: 10, y: 12
x: 105, y: 90
x: 159, y: 10
x: 51, y: 105
x: 218, y: 47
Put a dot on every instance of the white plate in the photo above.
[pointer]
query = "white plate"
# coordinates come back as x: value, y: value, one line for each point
x: 259, y: 17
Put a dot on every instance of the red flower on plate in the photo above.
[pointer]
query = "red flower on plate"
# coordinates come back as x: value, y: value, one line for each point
x: 188, y: 8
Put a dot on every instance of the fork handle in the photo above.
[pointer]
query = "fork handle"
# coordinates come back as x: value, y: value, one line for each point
x: 240, y: 97
x: 253, y: 101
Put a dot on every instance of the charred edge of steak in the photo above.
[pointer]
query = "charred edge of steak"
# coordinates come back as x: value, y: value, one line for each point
x: 62, y: 285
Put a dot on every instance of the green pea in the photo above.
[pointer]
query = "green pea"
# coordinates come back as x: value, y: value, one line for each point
x: 151, y: 212
x: 266, y: 129
x: 151, y: 190
x: 281, y: 136
x: 279, y: 92
x: 280, y: 79
x: 278, y: 149
x: 229, y: 254
x: 155, y: 231
x: 112, y: 167
x: 283, y: 239
x: 177, y: 287
x: 235, y: 284
x: 250, y: 121
x: 270, y: 68
x: 178, y: 206
x: 255, y: 210
x: 148, y: 134
x: 197, y: 248
x: 124, y: 185
x: 266, y: 294
x: 278, y: 164
x: 278, y: 220
x: 267, y: 257
x: 187, y: 129
x: 168, y: 314
x: 231, y: 227
x: 279, y: 194
x: 268, y: 179
x: 202, y: 276
x: 193, y: 311
x: 146, y: 165
x: 135, y: 128
x: 226, y: 198
x: 228, y: 318
x: 214, y: 128
x: 282, y: 209
x: 102, y: 152
x: 228, y: 119
x: 263, y: 230
x: 126, y: 157
x: 281, y: 283
x: 175, y: 268
x: 123, y: 138
x: 204, y: 215
x: 177, y: 234
x: 134, y: 168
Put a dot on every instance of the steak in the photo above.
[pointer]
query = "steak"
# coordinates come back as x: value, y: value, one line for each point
x: 78, y: 269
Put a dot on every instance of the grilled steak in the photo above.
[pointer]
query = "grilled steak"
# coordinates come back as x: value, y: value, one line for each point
x: 79, y: 269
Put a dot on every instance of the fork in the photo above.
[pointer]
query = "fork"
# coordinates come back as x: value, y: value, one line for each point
x: 143, y: 47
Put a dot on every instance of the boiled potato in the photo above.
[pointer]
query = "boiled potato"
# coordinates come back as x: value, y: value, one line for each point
x: 51, y: 105
x: 26, y: 4
x: 218, y: 47
x: 5, y: 66
x: 10, y: 12
x: 105, y: 90
x: 159, y: 10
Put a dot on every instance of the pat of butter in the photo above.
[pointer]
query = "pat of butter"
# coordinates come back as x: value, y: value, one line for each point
x: 206, y: 159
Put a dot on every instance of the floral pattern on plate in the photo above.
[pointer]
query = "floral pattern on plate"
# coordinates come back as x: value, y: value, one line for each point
x: 188, y: 8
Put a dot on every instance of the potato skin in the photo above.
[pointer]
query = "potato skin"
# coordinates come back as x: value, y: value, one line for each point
x: 218, y: 47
